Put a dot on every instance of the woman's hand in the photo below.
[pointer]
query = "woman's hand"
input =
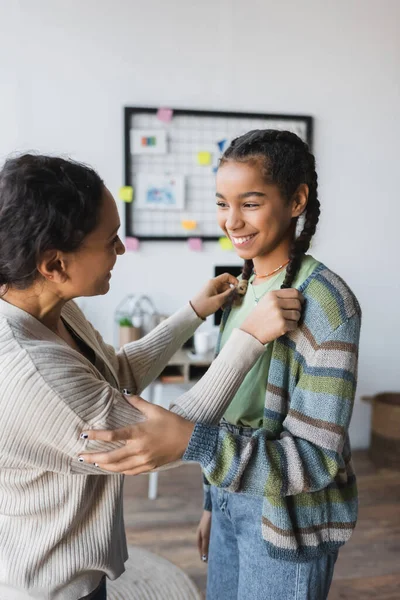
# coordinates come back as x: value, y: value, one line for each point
x: 276, y: 313
x: 203, y: 535
x: 213, y: 295
x: 161, y: 439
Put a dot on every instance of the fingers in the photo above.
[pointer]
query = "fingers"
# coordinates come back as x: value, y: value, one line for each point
x: 226, y: 278
x: 105, y: 435
x: 205, y: 540
x: 199, y: 540
x: 289, y: 293
x: 114, y: 456
x: 290, y: 304
x: 292, y: 315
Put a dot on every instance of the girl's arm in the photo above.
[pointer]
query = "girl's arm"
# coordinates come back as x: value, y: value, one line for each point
x: 309, y: 455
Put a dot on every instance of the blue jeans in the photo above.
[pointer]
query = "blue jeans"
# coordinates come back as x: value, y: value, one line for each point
x: 239, y: 566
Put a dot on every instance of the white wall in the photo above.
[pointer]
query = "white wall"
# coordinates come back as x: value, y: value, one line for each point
x: 67, y: 69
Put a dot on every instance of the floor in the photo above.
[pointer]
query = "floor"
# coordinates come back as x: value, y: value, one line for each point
x: 368, y: 567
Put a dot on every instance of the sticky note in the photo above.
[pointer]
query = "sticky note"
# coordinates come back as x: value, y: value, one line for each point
x: 204, y: 158
x: 225, y: 243
x: 221, y: 145
x: 165, y: 114
x: 132, y: 244
x: 195, y: 244
x: 126, y: 193
x: 188, y: 225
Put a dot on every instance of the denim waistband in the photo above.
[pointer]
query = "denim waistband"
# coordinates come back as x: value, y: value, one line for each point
x: 237, y: 429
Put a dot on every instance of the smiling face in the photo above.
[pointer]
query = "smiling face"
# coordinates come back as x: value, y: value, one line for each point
x: 89, y: 268
x: 251, y: 212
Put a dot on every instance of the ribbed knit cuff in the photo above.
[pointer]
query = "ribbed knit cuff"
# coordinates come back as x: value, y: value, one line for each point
x: 202, y: 444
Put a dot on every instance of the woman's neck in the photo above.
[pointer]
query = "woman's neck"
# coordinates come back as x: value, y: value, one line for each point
x: 41, y: 303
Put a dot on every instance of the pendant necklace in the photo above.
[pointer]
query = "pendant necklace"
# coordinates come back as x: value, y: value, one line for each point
x: 256, y: 299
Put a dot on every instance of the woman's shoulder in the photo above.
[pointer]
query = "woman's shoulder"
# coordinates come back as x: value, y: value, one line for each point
x: 330, y: 297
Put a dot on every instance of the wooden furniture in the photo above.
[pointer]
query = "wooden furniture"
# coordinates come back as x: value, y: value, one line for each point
x: 384, y: 449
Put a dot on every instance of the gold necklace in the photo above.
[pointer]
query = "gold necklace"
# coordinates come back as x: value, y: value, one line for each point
x: 256, y: 299
x: 272, y: 272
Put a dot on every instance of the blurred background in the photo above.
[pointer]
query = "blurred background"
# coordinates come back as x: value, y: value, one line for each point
x: 68, y: 69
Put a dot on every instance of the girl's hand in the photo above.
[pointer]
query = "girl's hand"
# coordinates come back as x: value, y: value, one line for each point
x: 162, y: 438
x: 213, y: 295
x: 276, y: 313
x: 203, y: 535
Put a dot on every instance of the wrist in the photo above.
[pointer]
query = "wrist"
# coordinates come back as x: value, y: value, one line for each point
x: 187, y: 432
x: 254, y: 334
x: 198, y: 311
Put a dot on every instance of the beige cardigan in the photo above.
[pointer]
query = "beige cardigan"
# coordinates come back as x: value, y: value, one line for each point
x: 61, y: 522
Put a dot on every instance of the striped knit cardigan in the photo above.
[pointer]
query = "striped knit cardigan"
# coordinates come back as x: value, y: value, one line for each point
x: 300, y: 460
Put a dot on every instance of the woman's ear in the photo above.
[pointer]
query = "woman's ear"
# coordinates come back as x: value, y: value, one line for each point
x: 52, y: 266
x: 299, y: 200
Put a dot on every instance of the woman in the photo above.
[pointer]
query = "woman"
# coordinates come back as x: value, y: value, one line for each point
x: 61, y: 524
x: 283, y: 494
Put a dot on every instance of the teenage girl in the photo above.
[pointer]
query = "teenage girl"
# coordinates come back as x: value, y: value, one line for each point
x: 281, y: 495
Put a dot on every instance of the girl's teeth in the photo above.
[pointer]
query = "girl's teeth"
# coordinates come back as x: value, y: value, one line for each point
x: 243, y: 240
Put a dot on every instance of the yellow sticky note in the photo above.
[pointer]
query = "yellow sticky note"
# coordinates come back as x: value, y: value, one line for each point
x: 188, y: 225
x: 204, y: 158
x: 225, y: 243
x: 126, y: 193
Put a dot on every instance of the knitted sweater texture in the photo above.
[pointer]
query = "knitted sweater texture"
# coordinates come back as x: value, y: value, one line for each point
x: 300, y: 460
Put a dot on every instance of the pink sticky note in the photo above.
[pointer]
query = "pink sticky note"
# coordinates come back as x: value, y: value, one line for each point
x: 132, y: 244
x: 165, y: 114
x: 195, y: 244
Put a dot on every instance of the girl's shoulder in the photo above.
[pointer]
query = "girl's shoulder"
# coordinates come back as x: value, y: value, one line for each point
x: 327, y: 294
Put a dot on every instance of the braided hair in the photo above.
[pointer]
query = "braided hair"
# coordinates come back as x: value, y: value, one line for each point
x: 286, y: 162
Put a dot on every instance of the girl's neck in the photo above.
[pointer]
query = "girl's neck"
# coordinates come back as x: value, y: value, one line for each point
x: 271, y: 261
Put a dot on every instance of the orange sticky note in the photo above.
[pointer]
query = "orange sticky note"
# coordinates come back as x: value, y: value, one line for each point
x: 225, y: 243
x: 189, y: 225
x: 126, y: 193
x: 204, y: 158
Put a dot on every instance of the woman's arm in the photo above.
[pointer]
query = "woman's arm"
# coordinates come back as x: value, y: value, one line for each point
x: 49, y: 394
x: 140, y: 362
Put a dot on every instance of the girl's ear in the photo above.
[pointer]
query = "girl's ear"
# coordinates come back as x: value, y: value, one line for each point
x: 299, y: 200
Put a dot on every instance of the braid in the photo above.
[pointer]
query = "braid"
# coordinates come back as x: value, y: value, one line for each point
x: 239, y: 292
x: 302, y: 243
x: 287, y: 163
x: 247, y: 269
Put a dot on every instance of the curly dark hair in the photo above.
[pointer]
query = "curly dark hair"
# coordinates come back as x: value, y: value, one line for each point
x: 45, y: 203
x: 286, y: 162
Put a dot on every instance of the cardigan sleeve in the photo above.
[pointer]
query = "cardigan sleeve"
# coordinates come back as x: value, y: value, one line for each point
x: 139, y: 363
x: 308, y: 455
x: 49, y: 395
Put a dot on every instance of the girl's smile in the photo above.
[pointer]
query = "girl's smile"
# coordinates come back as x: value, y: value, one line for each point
x: 242, y: 241
x: 254, y: 214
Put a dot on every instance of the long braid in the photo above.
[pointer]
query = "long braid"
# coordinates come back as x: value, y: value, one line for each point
x: 302, y: 243
x: 288, y: 163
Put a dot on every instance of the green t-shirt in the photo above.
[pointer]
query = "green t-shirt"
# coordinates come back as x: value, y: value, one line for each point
x: 247, y: 406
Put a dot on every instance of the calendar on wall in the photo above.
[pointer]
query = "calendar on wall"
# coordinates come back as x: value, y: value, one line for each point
x: 171, y: 158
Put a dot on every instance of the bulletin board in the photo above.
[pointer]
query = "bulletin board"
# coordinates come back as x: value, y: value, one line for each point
x: 171, y: 157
